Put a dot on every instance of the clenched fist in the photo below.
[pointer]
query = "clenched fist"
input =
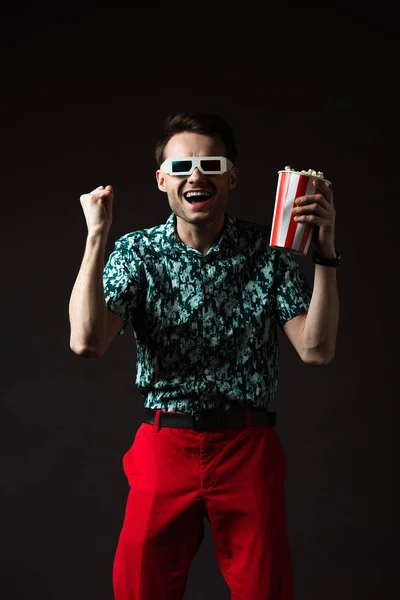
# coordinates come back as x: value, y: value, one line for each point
x: 97, y: 207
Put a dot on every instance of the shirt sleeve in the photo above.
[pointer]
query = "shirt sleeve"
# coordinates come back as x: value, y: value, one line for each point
x: 293, y: 295
x: 122, y: 281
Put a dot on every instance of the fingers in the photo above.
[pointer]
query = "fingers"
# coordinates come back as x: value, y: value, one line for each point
x: 324, y: 189
x: 315, y: 213
x: 313, y: 198
x: 101, y: 193
x: 109, y: 188
x: 314, y: 209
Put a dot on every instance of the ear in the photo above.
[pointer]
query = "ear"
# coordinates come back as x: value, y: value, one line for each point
x: 160, y: 176
x: 232, y: 178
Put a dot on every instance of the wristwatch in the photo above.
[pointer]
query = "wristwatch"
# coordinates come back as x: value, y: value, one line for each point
x: 327, y: 262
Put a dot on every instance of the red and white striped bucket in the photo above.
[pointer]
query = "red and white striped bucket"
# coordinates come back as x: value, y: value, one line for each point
x: 287, y: 233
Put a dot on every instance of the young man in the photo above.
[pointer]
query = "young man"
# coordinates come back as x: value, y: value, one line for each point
x: 205, y: 294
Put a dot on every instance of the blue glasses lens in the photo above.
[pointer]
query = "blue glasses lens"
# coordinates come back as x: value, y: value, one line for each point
x: 181, y: 166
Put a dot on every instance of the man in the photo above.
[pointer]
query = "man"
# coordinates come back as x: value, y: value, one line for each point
x: 204, y: 293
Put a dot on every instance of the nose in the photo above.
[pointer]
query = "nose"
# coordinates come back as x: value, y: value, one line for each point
x: 196, y: 176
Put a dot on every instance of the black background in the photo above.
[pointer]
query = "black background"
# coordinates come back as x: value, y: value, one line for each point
x: 85, y: 91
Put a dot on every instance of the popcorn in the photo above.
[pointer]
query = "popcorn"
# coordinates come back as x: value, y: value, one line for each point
x: 311, y: 172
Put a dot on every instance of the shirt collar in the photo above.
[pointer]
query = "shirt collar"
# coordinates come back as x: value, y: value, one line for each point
x: 172, y: 243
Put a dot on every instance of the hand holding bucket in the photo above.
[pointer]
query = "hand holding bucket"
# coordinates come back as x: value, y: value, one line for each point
x: 288, y: 234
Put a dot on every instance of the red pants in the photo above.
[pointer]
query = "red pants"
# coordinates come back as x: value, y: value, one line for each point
x: 177, y: 476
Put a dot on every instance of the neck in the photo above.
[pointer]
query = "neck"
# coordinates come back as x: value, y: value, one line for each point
x: 200, y: 237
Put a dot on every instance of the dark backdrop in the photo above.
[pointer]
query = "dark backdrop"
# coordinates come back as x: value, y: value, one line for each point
x: 85, y: 92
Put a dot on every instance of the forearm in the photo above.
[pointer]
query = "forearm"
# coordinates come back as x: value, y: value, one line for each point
x: 321, y: 323
x: 87, y: 308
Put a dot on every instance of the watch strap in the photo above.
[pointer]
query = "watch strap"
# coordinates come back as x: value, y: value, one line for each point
x: 327, y: 262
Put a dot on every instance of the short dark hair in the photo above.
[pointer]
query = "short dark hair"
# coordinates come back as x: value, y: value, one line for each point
x: 204, y: 123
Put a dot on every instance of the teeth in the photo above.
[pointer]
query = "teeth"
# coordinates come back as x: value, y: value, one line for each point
x: 193, y: 194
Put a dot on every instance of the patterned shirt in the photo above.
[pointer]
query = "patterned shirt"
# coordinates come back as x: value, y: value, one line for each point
x: 205, y: 326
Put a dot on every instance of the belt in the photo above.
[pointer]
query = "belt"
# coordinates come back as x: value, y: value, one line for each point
x: 213, y: 418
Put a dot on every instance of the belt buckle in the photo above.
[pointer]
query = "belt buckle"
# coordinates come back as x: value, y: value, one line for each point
x: 208, y: 420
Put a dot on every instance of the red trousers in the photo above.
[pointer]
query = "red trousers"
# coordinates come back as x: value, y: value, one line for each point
x: 177, y: 476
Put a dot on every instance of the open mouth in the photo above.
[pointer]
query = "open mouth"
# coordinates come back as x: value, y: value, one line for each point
x: 198, y: 199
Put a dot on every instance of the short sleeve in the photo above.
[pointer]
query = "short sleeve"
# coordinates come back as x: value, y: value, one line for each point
x: 122, y: 281
x: 293, y: 294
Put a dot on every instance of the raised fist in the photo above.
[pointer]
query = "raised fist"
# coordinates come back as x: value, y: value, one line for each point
x: 97, y: 207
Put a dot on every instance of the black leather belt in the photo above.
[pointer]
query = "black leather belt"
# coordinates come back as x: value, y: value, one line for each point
x: 211, y: 419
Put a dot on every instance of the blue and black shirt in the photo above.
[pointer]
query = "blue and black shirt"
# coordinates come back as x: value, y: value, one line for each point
x: 205, y: 325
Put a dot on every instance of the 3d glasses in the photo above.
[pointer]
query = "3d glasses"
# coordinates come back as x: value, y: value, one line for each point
x: 208, y: 165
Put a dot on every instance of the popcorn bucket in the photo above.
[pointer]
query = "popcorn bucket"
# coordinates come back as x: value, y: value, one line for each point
x: 288, y: 234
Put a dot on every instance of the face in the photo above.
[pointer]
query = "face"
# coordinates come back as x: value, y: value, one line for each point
x: 217, y: 186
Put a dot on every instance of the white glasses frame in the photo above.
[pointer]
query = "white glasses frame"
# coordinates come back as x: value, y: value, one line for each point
x: 226, y: 164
